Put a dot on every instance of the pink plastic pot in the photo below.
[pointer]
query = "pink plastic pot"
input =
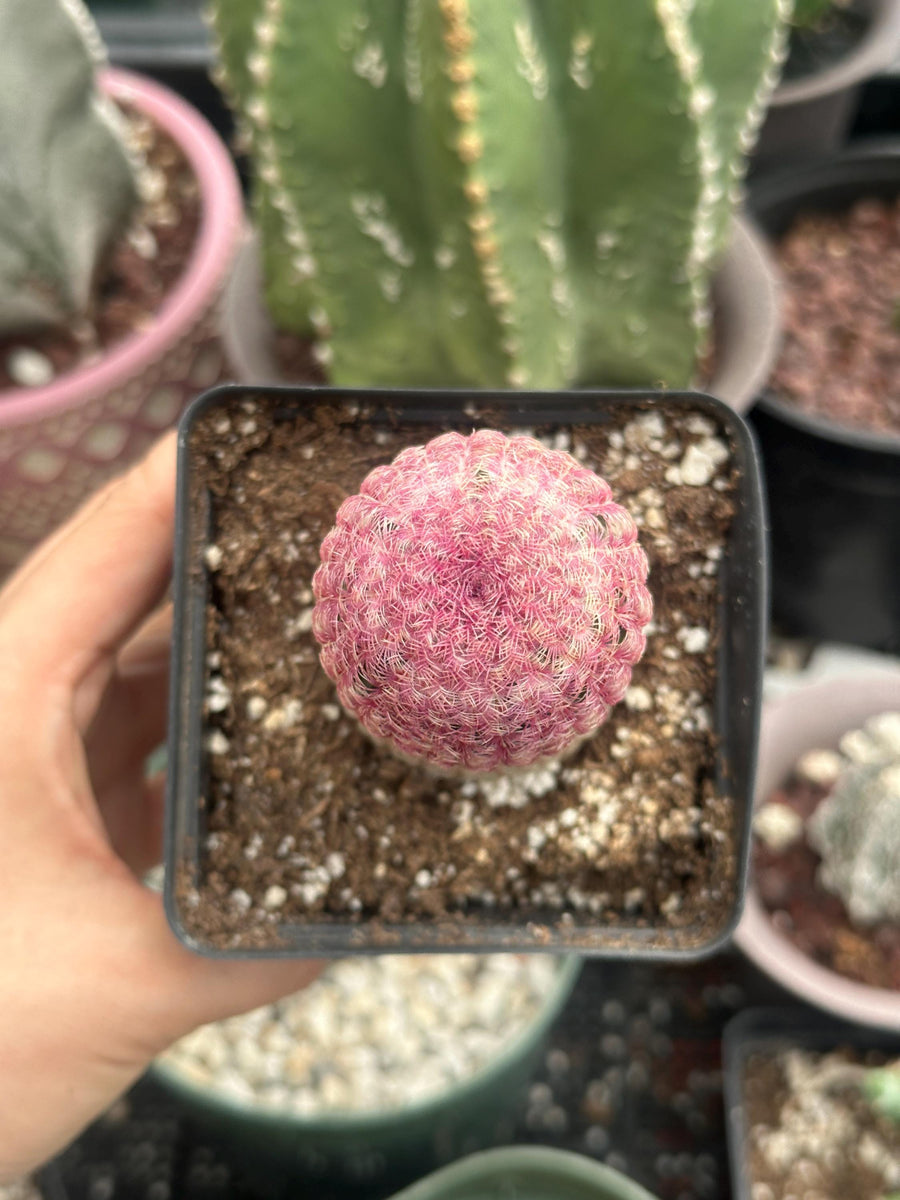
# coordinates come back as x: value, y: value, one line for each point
x: 814, y: 716
x: 59, y: 442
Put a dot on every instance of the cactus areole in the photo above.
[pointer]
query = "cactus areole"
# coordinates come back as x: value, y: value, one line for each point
x: 481, y: 602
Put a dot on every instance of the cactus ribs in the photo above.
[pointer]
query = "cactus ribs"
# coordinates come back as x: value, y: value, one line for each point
x: 141, y: 270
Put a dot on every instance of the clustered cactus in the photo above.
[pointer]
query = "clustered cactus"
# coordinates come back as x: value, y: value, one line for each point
x: 530, y: 193
x: 67, y: 181
x: 481, y: 602
x: 856, y: 829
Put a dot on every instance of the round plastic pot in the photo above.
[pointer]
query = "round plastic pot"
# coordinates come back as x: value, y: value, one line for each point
x: 395, y: 1145
x: 526, y: 1173
x: 771, y: 1031
x: 59, y: 442
x: 834, y: 491
x: 745, y: 302
x: 810, y: 116
x: 814, y: 716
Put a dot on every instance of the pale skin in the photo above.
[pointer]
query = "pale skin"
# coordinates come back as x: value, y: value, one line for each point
x: 92, y: 982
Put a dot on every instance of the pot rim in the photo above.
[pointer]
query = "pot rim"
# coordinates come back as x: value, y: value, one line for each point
x: 220, y: 224
x: 863, y: 695
x: 577, y: 1168
x: 796, y: 185
x: 875, y: 50
x: 372, y: 1122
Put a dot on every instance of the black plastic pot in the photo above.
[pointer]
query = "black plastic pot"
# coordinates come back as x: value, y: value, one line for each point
x: 810, y: 116
x: 769, y: 1031
x: 736, y: 706
x: 834, y: 492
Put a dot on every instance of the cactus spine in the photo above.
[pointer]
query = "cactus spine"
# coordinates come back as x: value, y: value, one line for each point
x: 531, y: 193
x: 67, y: 182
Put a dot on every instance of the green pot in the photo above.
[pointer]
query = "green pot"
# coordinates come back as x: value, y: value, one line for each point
x: 401, y: 1144
x: 525, y: 1173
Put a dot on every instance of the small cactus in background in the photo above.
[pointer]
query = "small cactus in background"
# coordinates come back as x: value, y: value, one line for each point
x: 481, y: 602
x: 67, y: 182
x: 856, y: 829
x: 532, y: 193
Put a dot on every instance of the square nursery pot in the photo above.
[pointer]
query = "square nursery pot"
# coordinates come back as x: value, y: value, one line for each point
x: 290, y: 832
x: 526, y: 1173
x: 766, y: 1032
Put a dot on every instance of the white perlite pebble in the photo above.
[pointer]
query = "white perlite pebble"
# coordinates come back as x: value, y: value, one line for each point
x: 638, y: 699
x: 213, y: 557
x: 778, y: 826
x: 275, y: 897
x: 821, y: 767
x: 217, y: 742
x: 701, y: 461
x: 370, y: 1035
x: 29, y: 368
x: 256, y: 708
x: 695, y: 639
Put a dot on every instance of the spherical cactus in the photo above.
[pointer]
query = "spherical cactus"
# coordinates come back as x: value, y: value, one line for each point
x: 481, y: 602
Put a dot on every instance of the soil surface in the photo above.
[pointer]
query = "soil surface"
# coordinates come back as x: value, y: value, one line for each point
x: 841, y: 353
x: 820, y: 47
x: 141, y: 270
x: 811, y: 917
x: 307, y: 818
x: 812, y: 1133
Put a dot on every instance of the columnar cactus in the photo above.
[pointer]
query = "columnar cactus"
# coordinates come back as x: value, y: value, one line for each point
x: 481, y: 602
x: 530, y: 193
x: 67, y: 182
x: 856, y: 829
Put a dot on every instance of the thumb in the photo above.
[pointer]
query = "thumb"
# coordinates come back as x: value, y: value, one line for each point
x: 192, y: 990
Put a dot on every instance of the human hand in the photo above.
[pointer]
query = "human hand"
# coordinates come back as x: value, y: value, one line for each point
x: 92, y: 982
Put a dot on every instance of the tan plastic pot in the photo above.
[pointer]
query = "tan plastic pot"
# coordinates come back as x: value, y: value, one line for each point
x: 59, y: 442
x: 810, y: 116
x: 746, y: 302
x: 809, y: 717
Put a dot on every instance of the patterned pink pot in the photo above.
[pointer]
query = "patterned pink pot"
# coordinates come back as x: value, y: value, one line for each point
x: 59, y: 442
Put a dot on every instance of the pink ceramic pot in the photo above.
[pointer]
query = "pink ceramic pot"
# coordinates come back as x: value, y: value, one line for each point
x: 59, y: 442
x: 810, y: 717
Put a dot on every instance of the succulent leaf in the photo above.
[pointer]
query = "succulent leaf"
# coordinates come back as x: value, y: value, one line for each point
x: 67, y: 182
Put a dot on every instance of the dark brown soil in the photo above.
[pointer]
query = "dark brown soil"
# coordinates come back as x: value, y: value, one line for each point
x: 630, y: 831
x: 814, y: 919
x: 840, y: 1169
x: 841, y: 353
x: 142, y: 269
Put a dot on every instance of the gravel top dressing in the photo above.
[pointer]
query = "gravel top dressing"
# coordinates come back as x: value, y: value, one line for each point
x: 812, y: 1133
x: 371, y: 1035
x: 841, y: 352
x: 307, y: 819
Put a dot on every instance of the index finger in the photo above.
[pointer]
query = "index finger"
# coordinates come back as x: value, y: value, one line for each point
x: 80, y: 597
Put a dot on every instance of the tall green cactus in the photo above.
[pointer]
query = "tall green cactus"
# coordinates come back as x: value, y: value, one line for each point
x: 67, y: 183
x: 468, y: 192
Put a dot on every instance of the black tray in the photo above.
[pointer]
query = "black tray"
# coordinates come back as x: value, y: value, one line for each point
x: 736, y: 708
x: 769, y: 1030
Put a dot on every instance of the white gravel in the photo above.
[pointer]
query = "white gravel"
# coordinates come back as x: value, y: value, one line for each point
x: 371, y: 1034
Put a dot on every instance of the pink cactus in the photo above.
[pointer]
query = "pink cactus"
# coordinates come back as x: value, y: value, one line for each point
x: 481, y: 602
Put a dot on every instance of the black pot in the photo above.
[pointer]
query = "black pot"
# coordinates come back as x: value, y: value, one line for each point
x: 735, y: 708
x: 771, y: 1030
x: 811, y: 116
x: 834, y: 491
